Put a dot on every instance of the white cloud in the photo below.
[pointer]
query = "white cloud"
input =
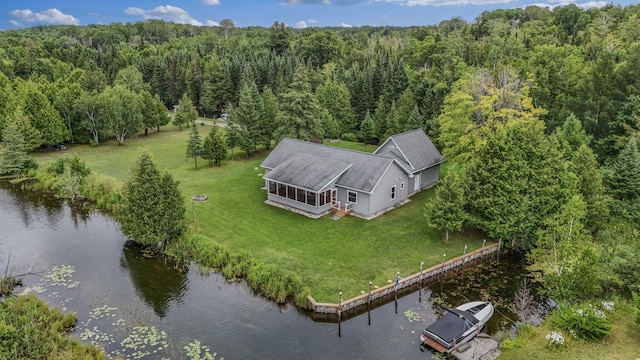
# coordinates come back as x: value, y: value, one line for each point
x: 454, y: 2
x: 15, y: 23
x: 592, y: 4
x: 312, y: 21
x: 346, y: 25
x: 167, y: 13
x: 212, y: 23
x: 301, y: 24
x: 211, y: 2
x: 49, y: 16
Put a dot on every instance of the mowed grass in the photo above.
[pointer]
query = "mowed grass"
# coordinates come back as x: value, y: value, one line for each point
x: 329, y: 256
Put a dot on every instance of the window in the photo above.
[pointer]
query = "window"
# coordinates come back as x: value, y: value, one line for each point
x: 272, y: 187
x: 300, y: 195
x: 352, y: 197
x: 402, y: 185
x: 393, y: 192
x: 282, y: 190
x: 291, y: 192
x: 311, y: 198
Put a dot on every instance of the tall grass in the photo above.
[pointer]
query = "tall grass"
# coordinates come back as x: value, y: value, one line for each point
x: 30, y: 330
x: 266, y: 280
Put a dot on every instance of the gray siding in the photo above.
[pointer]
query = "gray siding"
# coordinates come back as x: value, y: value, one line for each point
x: 430, y: 176
x: 381, y: 197
x: 298, y: 205
x: 361, y: 208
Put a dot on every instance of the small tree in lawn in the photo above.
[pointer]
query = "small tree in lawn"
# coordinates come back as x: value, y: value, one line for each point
x: 186, y: 113
x: 446, y: 209
x: 233, y: 138
x: 152, y: 211
x: 215, y: 148
x: 194, y: 145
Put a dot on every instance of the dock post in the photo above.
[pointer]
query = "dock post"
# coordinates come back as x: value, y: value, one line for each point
x: 464, y: 254
x: 370, y: 283
x: 442, y: 265
x: 397, y: 280
x: 421, y: 266
x: 340, y: 306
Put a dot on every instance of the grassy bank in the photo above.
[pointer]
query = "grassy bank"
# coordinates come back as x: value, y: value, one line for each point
x: 622, y: 343
x: 30, y: 330
x: 328, y: 256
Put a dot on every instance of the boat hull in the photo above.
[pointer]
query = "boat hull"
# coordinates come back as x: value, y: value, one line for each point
x: 457, y: 326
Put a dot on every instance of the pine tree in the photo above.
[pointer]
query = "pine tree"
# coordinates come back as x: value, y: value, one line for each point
x: 152, y: 211
x: 13, y: 150
x: 249, y: 112
x: 415, y: 121
x: 299, y: 110
x: 367, y: 130
x: 269, y: 118
x: 623, y: 177
x: 215, y: 146
x: 446, y: 211
x: 392, y: 123
x: 330, y: 127
x: 194, y: 144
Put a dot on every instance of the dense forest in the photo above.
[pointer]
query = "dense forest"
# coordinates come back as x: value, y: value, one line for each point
x: 537, y: 112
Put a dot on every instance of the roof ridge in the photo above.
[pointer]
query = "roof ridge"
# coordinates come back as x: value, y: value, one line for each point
x: 335, y: 147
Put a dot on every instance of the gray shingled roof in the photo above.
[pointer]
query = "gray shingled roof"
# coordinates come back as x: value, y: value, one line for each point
x: 365, y: 171
x: 308, y: 171
x: 417, y: 148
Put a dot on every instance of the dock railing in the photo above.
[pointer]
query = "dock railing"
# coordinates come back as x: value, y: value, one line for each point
x: 401, y: 283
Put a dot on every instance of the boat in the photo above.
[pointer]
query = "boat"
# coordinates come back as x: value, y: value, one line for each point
x: 457, y: 326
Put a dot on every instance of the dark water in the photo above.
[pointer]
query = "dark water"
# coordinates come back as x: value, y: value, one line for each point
x: 138, y: 306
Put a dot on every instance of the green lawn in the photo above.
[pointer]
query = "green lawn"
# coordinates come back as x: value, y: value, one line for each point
x: 329, y: 256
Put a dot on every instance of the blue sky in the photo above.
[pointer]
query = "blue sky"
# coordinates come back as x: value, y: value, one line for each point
x: 295, y: 13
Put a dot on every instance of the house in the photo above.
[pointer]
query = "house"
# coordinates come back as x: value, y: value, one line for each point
x: 314, y: 178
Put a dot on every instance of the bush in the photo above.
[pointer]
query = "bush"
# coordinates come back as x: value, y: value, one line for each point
x: 349, y: 137
x: 584, y: 322
x: 77, y: 166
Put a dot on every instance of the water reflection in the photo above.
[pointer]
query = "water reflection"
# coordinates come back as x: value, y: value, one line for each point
x: 158, y: 281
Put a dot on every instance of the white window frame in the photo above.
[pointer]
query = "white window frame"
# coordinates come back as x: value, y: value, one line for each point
x: 393, y: 192
x: 349, y: 192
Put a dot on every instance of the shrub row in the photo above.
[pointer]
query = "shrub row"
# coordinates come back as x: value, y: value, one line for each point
x: 265, y: 280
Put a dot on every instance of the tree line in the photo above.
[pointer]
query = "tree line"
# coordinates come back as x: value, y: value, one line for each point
x: 537, y: 110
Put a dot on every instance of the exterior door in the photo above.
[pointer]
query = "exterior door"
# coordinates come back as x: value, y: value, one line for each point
x: 416, y: 182
x: 334, y: 197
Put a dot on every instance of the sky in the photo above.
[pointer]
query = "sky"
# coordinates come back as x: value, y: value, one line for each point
x: 244, y: 13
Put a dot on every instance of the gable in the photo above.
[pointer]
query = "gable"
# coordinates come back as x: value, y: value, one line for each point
x: 413, y: 148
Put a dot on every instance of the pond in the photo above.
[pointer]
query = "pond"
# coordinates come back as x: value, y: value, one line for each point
x: 136, y: 306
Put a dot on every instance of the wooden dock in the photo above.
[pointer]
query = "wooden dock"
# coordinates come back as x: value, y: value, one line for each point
x: 482, y: 347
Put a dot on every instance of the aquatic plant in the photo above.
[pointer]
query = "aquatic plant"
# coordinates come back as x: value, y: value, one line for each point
x: 412, y: 316
x: 144, y: 341
x: 195, y: 351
